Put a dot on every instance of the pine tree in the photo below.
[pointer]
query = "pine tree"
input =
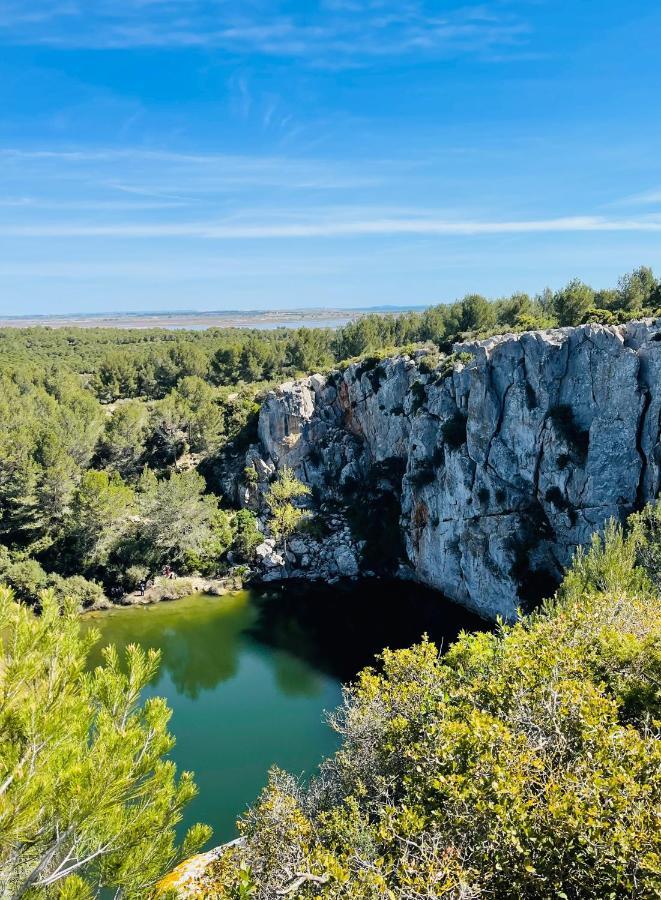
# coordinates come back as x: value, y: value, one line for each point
x: 285, y: 517
x: 87, y: 798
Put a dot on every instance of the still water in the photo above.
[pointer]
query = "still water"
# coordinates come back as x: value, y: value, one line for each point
x: 250, y: 675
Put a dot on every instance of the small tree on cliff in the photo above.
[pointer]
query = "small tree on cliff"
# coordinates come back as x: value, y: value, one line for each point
x: 87, y: 799
x: 285, y: 517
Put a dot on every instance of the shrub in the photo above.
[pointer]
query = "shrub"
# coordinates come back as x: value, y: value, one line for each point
x: 246, y: 534
x: 450, y: 363
x: 250, y: 475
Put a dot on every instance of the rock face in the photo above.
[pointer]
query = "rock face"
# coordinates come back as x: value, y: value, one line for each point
x: 505, y: 456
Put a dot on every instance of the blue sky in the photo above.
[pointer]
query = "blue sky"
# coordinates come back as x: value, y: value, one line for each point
x: 203, y: 154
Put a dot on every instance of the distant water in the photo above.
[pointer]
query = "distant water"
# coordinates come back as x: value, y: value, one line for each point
x: 248, y: 676
x: 337, y: 322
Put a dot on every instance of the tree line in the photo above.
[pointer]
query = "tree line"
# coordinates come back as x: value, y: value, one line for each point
x: 148, y: 364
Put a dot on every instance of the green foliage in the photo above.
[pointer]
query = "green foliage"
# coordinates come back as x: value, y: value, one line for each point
x: 449, y: 363
x: 246, y: 534
x: 178, y: 523
x: 123, y: 442
x: 88, y: 798
x: 101, y: 514
x: 285, y: 517
x: 572, y: 303
x: 523, y: 763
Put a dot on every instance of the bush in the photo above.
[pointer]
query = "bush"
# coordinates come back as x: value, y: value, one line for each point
x: 90, y: 800
x: 133, y: 575
x: 246, y: 534
x: 82, y: 592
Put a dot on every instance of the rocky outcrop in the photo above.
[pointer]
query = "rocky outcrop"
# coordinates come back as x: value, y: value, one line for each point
x: 328, y: 559
x: 502, y: 458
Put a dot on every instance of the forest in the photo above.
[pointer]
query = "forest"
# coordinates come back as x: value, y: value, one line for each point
x: 111, y: 439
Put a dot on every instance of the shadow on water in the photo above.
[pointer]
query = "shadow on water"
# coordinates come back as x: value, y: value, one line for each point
x: 340, y: 628
x: 249, y: 676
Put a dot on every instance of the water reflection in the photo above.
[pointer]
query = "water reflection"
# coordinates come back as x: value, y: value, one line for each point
x: 199, y: 637
x: 248, y: 676
x: 340, y: 628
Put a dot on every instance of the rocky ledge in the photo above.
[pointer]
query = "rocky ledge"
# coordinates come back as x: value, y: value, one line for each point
x: 494, y: 463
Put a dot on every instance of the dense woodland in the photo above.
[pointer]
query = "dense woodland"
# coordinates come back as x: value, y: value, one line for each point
x: 109, y: 437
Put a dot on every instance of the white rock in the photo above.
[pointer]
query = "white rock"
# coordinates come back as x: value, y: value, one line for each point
x: 562, y: 431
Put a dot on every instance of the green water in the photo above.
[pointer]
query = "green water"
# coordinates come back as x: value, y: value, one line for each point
x: 238, y: 705
x: 249, y: 676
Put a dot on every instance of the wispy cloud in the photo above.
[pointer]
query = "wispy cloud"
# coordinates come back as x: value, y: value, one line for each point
x: 646, y: 198
x: 332, y: 229
x: 178, y: 175
x: 337, y: 33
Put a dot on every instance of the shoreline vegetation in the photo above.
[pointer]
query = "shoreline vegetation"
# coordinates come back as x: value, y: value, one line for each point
x: 164, y: 590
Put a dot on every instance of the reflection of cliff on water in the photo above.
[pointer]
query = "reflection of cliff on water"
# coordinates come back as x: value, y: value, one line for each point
x: 202, y: 640
x: 339, y: 628
x: 334, y: 629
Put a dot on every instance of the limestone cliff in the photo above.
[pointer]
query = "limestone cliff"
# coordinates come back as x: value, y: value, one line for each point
x: 503, y: 458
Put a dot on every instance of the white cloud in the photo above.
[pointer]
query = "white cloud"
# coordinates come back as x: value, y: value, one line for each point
x: 337, y: 33
x: 332, y: 229
x: 171, y: 175
x: 647, y: 198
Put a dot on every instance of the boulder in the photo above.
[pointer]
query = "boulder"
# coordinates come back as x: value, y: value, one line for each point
x: 346, y: 562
